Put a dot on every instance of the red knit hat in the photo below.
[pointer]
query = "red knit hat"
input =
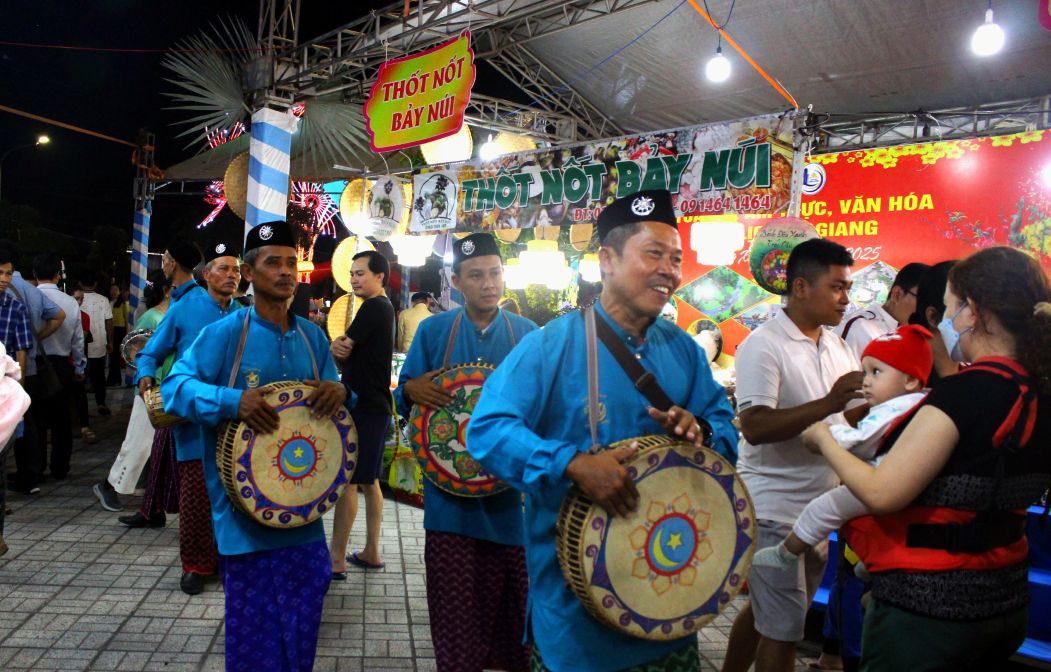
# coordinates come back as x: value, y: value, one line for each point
x: 906, y: 349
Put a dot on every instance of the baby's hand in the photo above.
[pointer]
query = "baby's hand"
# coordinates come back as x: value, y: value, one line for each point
x: 813, y: 435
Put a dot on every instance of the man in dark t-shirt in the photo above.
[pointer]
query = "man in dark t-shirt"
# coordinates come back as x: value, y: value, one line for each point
x: 364, y: 354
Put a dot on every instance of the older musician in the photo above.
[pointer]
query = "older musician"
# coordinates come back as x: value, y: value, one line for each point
x: 531, y: 426
x: 476, y: 576
x: 275, y: 579
x: 195, y: 309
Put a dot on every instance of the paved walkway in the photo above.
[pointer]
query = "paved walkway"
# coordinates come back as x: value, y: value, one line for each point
x: 79, y: 591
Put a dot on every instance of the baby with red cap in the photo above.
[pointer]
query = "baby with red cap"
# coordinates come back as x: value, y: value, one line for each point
x: 896, y: 366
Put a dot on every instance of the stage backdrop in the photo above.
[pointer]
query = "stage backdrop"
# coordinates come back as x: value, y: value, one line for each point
x: 891, y: 206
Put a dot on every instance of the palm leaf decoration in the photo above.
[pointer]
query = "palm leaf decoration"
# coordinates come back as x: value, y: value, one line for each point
x: 209, y: 70
x: 331, y: 132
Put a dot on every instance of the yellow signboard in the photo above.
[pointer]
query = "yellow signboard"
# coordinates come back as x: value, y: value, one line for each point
x: 422, y: 97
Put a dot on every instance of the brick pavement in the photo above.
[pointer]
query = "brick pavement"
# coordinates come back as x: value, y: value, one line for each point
x: 79, y: 591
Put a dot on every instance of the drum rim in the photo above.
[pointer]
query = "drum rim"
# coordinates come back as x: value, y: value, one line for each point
x: 127, y: 339
x: 575, y: 516
x: 226, y: 464
x: 421, y: 451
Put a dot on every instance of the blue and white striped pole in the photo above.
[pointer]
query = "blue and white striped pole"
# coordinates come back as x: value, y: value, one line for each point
x: 140, y: 249
x: 268, y: 166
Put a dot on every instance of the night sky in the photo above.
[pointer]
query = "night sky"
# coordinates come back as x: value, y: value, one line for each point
x: 79, y: 182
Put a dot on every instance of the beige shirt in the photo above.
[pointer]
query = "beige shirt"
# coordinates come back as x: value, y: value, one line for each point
x: 779, y: 367
x: 408, y: 323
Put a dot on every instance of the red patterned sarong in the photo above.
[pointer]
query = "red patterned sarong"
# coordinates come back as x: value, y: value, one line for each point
x: 476, y: 595
x: 162, y: 480
x: 196, y: 539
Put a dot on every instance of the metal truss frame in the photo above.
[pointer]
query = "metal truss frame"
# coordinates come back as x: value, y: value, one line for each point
x: 347, y: 58
x: 953, y: 123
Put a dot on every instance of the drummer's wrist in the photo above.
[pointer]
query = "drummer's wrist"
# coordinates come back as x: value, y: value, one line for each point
x: 230, y: 402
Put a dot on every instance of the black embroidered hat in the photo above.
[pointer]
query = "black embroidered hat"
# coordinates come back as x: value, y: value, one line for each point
x: 653, y: 205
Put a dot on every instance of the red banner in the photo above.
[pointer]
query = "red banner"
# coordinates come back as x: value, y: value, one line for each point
x: 935, y: 201
x: 891, y: 206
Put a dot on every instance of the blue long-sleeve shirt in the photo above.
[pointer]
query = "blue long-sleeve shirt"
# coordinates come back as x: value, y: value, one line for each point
x: 531, y: 421
x: 193, y: 309
x: 497, y: 518
x: 195, y: 389
x: 41, y: 309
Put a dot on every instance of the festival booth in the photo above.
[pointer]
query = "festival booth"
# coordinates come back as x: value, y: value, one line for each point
x: 745, y: 191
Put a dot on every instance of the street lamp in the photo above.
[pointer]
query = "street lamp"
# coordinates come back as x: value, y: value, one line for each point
x: 41, y: 140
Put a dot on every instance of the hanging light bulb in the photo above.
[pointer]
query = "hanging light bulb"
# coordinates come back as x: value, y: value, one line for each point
x: 489, y: 151
x: 988, y: 38
x: 718, y: 68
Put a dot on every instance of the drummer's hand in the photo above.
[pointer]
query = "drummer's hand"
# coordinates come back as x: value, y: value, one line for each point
x: 145, y: 383
x: 681, y: 423
x: 340, y: 348
x: 423, y: 392
x: 326, y: 399
x: 605, y: 480
x: 256, y: 413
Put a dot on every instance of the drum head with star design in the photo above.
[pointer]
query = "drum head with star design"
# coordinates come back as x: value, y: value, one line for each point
x: 292, y: 476
x: 677, y: 562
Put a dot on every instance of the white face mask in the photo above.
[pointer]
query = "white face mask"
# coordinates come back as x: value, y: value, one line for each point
x: 951, y: 337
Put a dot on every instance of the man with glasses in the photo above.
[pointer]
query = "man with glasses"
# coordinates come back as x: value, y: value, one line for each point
x: 861, y: 326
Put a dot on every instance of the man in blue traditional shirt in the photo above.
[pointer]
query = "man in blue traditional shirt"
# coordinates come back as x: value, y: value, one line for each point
x: 275, y: 579
x: 195, y: 309
x: 476, y: 576
x: 531, y: 427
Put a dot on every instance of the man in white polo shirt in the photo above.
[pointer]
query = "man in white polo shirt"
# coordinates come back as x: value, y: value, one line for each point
x: 859, y: 328
x: 791, y: 372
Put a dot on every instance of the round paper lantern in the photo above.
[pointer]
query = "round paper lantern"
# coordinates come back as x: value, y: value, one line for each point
x: 343, y: 257
x: 768, y: 257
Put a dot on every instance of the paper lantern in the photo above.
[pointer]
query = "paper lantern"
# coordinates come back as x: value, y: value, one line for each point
x: 343, y: 258
x: 457, y: 147
x: 716, y: 241
x: 412, y: 250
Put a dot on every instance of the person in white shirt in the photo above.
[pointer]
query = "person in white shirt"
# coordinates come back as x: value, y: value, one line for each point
x: 861, y: 326
x: 101, y: 314
x: 65, y: 344
x: 791, y: 372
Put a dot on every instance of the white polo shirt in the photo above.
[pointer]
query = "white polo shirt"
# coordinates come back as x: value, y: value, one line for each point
x: 98, y: 309
x: 862, y: 326
x: 779, y: 367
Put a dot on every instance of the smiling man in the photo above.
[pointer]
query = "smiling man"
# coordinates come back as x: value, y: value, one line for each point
x: 194, y: 308
x: 532, y: 429
x: 476, y: 577
x: 791, y: 372
x: 274, y: 579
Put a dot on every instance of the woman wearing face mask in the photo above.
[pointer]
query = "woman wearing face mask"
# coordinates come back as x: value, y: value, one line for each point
x: 946, y: 545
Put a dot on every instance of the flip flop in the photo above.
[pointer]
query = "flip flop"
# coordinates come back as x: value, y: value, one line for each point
x: 358, y: 562
x: 339, y: 576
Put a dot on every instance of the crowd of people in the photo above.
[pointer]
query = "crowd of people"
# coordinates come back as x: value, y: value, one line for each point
x: 914, y: 427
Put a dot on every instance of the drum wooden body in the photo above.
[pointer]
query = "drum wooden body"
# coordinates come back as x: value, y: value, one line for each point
x: 671, y: 567
x: 155, y: 409
x: 133, y: 344
x: 439, y: 436
x: 292, y: 476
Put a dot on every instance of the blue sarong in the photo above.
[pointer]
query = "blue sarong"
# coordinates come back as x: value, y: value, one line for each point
x: 273, y: 607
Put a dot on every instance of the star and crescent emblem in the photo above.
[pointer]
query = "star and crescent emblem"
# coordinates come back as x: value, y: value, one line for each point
x: 468, y: 247
x: 220, y: 248
x: 266, y: 232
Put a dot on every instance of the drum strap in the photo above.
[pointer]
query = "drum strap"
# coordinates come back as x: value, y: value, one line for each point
x: 244, y: 339
x: 455, y: 329
x: 596, y: 328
